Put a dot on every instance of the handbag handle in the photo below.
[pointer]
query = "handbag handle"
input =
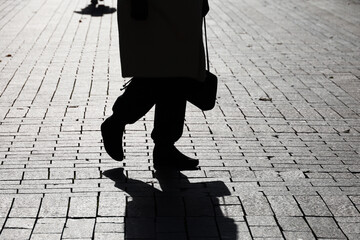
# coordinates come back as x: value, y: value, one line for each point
x: 206, y: 47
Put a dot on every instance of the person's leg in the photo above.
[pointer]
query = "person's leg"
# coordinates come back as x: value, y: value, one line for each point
x: 135, y: 102
x: 168, y: 124
x: 169, y: 116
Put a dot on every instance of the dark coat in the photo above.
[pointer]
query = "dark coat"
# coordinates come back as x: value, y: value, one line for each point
x: 166, y: 43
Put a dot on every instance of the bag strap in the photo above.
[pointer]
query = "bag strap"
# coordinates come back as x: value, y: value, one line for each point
x: 206, y: 47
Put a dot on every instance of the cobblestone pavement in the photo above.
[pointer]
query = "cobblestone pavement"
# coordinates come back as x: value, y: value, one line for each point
x: 279, y: 154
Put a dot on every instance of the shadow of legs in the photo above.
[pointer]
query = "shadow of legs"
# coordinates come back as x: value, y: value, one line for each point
x: 179, y: 210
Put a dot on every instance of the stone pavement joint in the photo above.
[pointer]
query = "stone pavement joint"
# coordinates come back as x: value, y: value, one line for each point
x: 279, y: 153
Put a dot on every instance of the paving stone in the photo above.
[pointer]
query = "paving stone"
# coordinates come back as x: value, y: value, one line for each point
x: 265, y: 232
x: 140, y: 227
x: 112, y: 206
x: 51, y: 226
x: 229, y: 210
x: 298, y: 235
x: 109, y: 236
x: 353, y: 236
x: 293, y: 224
x: 198, y: 206
x: 109, y: 228
x: 341, y: 206
x: 11, y: 175
x: 313, y: 206
x: 45, y: 236
x: 261, y: 221
x: 256, y: 205
x: 83, y: 207
x: 284, y: 206
x: 20, y: 223
x: 325, y: 227
x: 170, y: 225
x: 178, y: 236
x: 140, y: 207
x: 202, y: 227
x: 23, y: 212
x: 226, y: 200
x: 79, y: 228
x: 2, y: 221
x: 15, y: 234
x: 171, y: 206
x: 54, y: 206
x: 350, y: 228
x: 5, y: 205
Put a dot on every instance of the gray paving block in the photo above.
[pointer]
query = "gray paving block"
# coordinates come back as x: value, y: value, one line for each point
x: 298, y: 235
x: 109, y: 236
x: 325, y: 227
x: 23, y: 212
x: 83, y: 207
x: 261, y: 221
x: 14, y: 234
x: 256, y: 204
x: 313, y: 206
x: 293, y: 224
x: 35, y: 236
x: 79, y: 228
x: 20, y: 223
x: 341, y: 206
x: 229, y: 210
x: 265, y: 232
x: 51, y: 226
x: 109, y: 227
x: 284, y: 206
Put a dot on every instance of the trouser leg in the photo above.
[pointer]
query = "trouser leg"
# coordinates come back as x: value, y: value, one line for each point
x: 134, y: 103
x: 138, y: 98
x: 170, y: 105
x: 168, y: 128
x: 169, y: 112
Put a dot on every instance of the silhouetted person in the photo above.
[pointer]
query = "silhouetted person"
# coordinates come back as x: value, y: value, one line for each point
x: 161, y: 48
x: 94, y: 2
x: 96, y: 10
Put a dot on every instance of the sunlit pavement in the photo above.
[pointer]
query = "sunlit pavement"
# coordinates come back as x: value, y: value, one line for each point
x: 279, y: 154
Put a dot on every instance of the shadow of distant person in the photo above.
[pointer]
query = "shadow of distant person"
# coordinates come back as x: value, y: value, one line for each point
x: 179, y: 211
x: 96, y: 10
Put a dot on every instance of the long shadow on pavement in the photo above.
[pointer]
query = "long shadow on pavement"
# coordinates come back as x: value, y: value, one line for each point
x: 180, y: 210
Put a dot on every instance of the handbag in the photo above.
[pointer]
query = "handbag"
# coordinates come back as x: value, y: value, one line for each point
x: 203, y: 94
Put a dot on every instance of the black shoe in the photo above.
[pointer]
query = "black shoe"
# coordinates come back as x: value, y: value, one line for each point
x: 112, y: 134
x: 170, y: 157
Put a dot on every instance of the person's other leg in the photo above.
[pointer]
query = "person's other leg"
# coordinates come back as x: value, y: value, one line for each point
x: 169, y: 123
x: 169, y: 112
